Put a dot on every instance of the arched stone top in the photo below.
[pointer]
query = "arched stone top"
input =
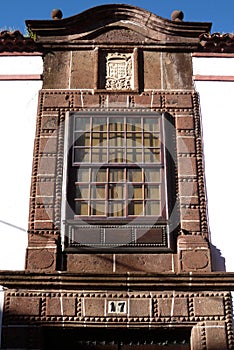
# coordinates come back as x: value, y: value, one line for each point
x: 100, y: 20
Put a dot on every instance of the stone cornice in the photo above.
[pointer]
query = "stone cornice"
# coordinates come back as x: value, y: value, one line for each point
x: 98, y: 20
x: 214, y: 281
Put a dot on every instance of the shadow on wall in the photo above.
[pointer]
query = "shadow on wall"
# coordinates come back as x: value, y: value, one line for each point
x: 217, y: 260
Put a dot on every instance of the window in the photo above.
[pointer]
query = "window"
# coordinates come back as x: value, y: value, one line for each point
x: 117, y: 177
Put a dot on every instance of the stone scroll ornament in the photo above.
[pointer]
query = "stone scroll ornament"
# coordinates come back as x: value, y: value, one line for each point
x: 119, y: 71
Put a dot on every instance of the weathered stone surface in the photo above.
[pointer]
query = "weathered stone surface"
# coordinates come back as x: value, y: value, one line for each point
x: 140, y: 308
x: 93, y: 307
x: 56, y: 70
x: 97, y: 263
x: 60, y: 306
x: 144, y: 262
x: 152, y: 71
x: 24, y: 306
x: 193, y: 253
x: 177, y: 71
x: 173, y: 307
x: 41, y: 259
x: 204, y: 306
x: 83, y: 64
x: 209, y: 335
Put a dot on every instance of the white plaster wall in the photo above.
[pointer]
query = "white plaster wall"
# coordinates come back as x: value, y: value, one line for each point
x: 216, y: 98
x: 18, y: 109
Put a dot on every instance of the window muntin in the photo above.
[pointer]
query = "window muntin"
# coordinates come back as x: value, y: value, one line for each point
x: 119, y: 165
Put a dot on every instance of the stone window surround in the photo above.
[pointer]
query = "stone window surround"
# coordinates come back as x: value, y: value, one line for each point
x: 159, y: 225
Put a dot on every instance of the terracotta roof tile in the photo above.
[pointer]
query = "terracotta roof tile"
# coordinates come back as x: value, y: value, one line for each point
x: 16, y: 42
x: 217, y: 42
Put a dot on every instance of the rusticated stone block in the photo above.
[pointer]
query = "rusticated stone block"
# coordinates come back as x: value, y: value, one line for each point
x: 211, y: 334
x: 143, y: 100
x: 116, y: 100
x: 188, y: 188
x: 173, y: 307
x: 191, y: 226
x: 185, y: 122
x: 43, y: 214
x: 56, y: 100
x: 187, y: 166
x: 77, y: 100
x: 47, y: 166
x: 61, y: 306
x: 93, y: 263
x: 90, y: 100
x: 45, y: 188
x: 186, y: 145
x: 29, y: 306
x: 48, y: 144
x: 143, y: 262
x: 178, y: 101
x: 140, y: 308
x: 94, y: 307
x: 43, y: 225
x: 41, y: 259
x: 157, y: 100
x: 190, y: 214
x: 206, y: 306
x: 42, y: 241
x: 193, y: 254
x: 49, y: 122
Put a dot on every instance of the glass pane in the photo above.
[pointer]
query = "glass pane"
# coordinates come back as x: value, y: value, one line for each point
x: 98, y: 192
x: 99, y: 175
x: 99, y: 155
x: 135, y: 208
x: 82, y: 155
x: 82, y: 191
x: 116, y: 175
x: 81, y: 208
x: 152, y: 208
x: 97, y: 208
x: 82, y: 139
x: 151, y: 140
x: 133, y: 124
x: 116, y: 208
x: 134, y: 155
x: 152, y: 155
x: 83, y: 175
x: 116, y: 191
x: 134, y: 175
x: 99, y: 139
x: 152, y: 175
x: 116, y: 140
x: 151, y: 124
x: 116, y: 155
x: 135, y: 192
x: 152, y: 192
x: 134, y: 139
x: 99, y: 124
x: 116, y: 124
x: 82, y: 124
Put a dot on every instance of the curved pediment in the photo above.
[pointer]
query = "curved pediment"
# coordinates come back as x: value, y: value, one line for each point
x: 134, y: 22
